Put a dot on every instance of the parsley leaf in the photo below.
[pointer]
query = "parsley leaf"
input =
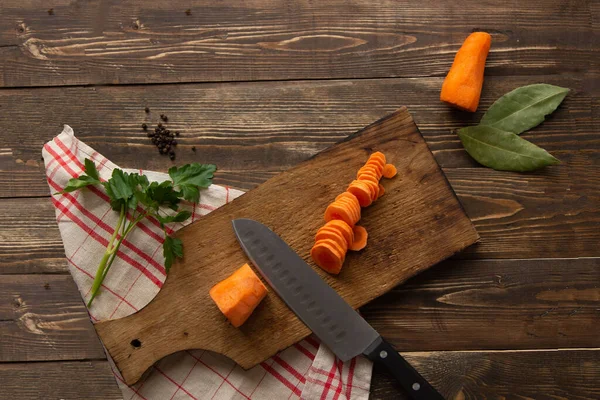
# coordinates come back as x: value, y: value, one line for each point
x: 172, y: 247
x: 191, y: 177
x: 91, y: 177
x: 179, y: 217
x: 90, y: 169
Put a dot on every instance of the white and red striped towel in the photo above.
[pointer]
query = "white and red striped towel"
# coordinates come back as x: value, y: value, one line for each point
x: 306, y: 370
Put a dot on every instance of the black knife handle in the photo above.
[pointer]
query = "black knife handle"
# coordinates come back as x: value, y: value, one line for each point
x: 411, y: 381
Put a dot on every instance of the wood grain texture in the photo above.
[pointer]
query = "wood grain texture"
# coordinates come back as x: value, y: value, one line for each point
x: 30, y: 241
x: 255, y: 130
x: 113, y: 42
x: 543, y: 375
x: 42, y: 317
x: 493, y: 304
x: 91, y: 380
x: 433, y: 227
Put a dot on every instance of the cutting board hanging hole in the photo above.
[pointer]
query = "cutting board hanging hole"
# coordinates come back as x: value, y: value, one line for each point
x: 136, y: 343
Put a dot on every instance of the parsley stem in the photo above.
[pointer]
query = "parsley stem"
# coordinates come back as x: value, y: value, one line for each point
x: 111, y: 252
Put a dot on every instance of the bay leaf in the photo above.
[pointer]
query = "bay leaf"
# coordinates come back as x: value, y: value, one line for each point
x: 502, y: 150
x: 524, y: 107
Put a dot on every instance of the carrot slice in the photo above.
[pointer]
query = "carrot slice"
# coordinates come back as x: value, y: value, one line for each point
x: 238, y: 295
x: 362, y: 192
x: 349, y: 196
x: 327, y: 257
x: 376, y: 163
x: 379, y: 156
x: 381, y: 190
x: 389, y: 171
x: 360, y: 238
x: 371, y: 174
x: 332, y: 234
x: 338, y: 211
x: 336, y: 245
x: 373, y: 188
x: 343, y: 228
x: 352, y: 208
x: 354, y: 202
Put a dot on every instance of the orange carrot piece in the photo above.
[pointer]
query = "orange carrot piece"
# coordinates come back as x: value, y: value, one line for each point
x: 389, y: 171
x: 338, y: 211
x: 360, y: 238
x: 350, y: 197
x: 376, y: 162
x: 373, y: 188
x: 378, y: 156
x: 462, y: 86
x: 332, y: 234
x: 362, y: 192
x: 238, y: 295
x: 326, y: 256
x: 349, y: 209
x: 368, y: 173
x: 353, y: 208
x: 343, y: 228
x: 381, y: 190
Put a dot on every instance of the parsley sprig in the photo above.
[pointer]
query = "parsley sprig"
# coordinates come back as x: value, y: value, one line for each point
x: 135, y: 198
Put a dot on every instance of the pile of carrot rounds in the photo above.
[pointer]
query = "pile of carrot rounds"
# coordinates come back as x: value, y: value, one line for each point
x: 340, y: 232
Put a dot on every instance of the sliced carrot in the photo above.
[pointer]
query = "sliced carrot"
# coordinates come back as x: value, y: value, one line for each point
x: 327, y: 257
x: 381, y: 190
x: 238, y: 295
x: 373, y: 188
x: 362, y: 192
x: 355, y: 203
x: 338, y: 211
x: 336, y: 245
x: 368, y: 173
x: 332, y: 234
x: 343, y: 228
x: 360, y: 238
x: 389, y: 171
x: 376, y: 163
x: 379, y: 156
x: 350, y: 196
x: 352, y: 208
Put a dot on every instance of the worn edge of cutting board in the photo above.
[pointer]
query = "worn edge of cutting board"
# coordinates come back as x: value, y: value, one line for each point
x: 432, y: 229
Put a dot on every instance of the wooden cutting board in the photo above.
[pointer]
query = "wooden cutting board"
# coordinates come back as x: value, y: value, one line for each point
x: 416, y: 224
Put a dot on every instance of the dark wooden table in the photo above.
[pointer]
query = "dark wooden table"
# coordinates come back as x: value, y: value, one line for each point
x: 258, y: 86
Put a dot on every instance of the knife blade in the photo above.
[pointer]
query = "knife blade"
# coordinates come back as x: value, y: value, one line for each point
x: 320, y: 308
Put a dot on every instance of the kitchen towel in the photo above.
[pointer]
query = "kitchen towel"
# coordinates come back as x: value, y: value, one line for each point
x: 305, y: 370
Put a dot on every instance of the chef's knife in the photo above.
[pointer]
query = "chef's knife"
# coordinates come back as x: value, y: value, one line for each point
x: 345, y: 332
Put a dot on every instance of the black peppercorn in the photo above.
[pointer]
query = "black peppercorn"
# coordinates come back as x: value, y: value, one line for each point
x: 160, y: 125
x: 176, y: 133
x: 173, y: 142
x: 164, y: 117
x: 145, y: 127
x: 194, y: 149
x: 150, y: 134
x: 147, y: 110
x: 188, y: 12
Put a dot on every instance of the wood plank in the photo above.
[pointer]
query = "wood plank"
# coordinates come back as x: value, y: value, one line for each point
x: 254, y: 130
x: 434, y: 228
x: 558, y: 374
x: 96, y: 42
x: 42, y: 317
x: 493, y: 304
x: 58, y: 380
x: 30, y: 240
